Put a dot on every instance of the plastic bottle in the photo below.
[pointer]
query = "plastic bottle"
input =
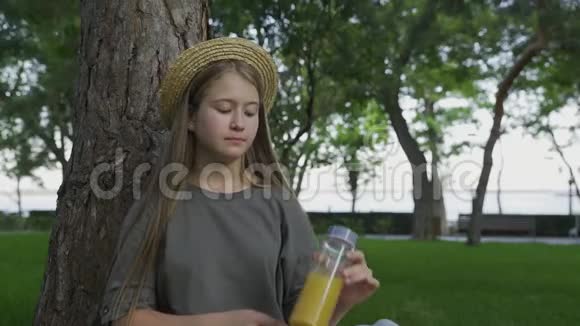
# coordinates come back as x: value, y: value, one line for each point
x: 324, y: 282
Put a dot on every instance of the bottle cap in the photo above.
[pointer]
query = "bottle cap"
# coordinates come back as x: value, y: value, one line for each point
x: 343, y: 233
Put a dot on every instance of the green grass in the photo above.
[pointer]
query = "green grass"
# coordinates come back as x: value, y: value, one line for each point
x: 422, y: 283
x: 22, y: 260
x: 449, y: 284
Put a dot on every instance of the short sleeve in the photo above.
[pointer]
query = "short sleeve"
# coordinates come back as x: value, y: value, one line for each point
x: 299, y: 244
x: 133, y: 230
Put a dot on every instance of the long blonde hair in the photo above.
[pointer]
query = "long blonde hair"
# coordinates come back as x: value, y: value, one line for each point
x: 180, y: 149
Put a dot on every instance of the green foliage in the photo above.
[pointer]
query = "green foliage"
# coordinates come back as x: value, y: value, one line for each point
x: 551, y: 82
x: 40, y: 223
x: 301, y: 36
x: 357, y: 140
x: 363, y: 223
x: 35, y: 222
x: 21, y: 154
x: 37, y: 82
x: 10, y: 222
x: 341, y: 64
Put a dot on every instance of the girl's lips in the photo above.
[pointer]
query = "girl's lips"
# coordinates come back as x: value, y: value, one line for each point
x: 235, y: 140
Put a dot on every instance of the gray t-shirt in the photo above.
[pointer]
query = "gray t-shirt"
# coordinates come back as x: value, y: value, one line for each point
x: 250, y: 249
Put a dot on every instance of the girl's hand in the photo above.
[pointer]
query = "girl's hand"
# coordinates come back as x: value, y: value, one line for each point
x: 359, y: 283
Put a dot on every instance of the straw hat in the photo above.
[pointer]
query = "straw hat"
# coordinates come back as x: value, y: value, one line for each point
x: 193, y: 60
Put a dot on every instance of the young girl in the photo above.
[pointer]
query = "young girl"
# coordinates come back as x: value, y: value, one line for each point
x: 228, y: 243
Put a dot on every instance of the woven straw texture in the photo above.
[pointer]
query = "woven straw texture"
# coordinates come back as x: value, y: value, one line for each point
x: 195, y: 59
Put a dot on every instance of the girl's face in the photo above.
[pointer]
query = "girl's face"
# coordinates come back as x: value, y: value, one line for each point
x: 227, y: 120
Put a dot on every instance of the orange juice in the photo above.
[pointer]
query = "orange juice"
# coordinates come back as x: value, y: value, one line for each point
x: 317, y: 300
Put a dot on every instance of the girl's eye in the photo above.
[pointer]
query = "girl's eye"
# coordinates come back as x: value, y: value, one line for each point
x: 250, y: 114
x: 223, y: 109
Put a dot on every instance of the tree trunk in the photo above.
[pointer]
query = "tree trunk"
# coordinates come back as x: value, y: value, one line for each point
x: 422, y: 187
x: 438, y: 214
x: 533, y: 49
x: 501, y: 164
x: 353, y: 170
x: 19, y: 195
x: 423, y: 200
x: 421, y: 184
x: 354, y: 193
x: 301, y: 170
x: 124, y: 51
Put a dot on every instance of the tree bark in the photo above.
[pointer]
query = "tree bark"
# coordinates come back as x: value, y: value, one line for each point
x: 532, y: 50
x: 124, y: 51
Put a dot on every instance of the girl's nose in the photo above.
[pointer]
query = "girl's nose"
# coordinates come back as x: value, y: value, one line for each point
x: 237, y: 122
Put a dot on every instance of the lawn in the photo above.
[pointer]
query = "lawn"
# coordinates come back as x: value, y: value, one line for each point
x: 22, y: 259
x: 436, y: 283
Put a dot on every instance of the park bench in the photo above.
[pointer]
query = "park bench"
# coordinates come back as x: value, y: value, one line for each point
x: 501, y: 224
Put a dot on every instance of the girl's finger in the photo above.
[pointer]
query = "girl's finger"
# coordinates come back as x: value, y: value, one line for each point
x: 356, y: 257
x: 356, y: 273
x: 375, y: 284
x: 370, y: 283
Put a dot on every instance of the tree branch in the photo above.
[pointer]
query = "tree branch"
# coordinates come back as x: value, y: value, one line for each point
x: 53, y: 147
x: 423, y: 24
x: 561, y: 153
x: 302, y: 170
x: 529, y: 53
x: 409, y: 144
x: 311, y: 88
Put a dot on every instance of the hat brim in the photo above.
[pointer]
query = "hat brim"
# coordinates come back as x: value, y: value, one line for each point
x: 193, y: 60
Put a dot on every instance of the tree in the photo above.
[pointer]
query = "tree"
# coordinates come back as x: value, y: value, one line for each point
x: 298, y: 34
x: 17, y: 158
x: 420, y: 52
x: 46, y: 44
x: 555, y: 86
x: 124, y: 51
x: 550, y: 35
x: 20, y: 157
x: 356, y: 144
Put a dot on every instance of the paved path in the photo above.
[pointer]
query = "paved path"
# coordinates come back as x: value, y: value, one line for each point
x: 502, y: 239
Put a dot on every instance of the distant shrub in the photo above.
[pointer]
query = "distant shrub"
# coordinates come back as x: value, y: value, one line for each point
x: 37, y: 221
